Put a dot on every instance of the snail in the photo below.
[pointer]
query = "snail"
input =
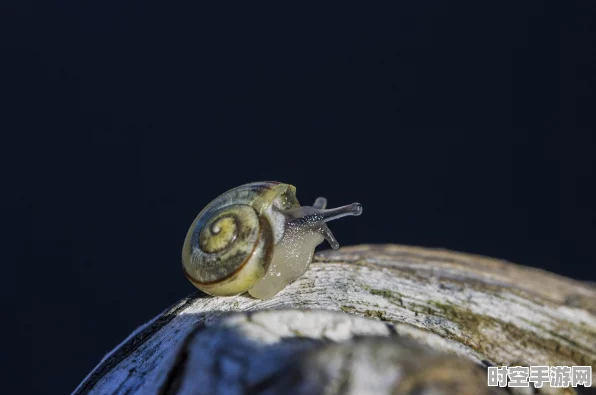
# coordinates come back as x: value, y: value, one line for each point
x: 256, y: 238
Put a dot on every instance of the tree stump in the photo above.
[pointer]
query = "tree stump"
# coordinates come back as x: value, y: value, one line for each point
x: 379, y: 319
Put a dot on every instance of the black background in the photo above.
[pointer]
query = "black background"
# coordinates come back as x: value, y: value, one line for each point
x: 464, y: 126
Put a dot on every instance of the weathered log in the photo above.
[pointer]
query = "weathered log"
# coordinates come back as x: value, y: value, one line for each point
x: 363, y: 319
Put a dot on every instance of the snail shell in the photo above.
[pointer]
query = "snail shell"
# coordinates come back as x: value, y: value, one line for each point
x: 256, y: 238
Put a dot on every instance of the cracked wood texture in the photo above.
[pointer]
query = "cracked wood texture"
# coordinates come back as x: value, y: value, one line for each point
x: 378, y: 319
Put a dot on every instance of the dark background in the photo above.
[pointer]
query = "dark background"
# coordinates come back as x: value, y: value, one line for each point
x: 464, y: 126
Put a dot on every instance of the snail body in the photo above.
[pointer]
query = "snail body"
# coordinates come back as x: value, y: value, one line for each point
x: 256, y: 238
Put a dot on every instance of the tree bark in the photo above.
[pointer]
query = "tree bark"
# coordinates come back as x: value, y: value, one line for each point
x: 363, y: 319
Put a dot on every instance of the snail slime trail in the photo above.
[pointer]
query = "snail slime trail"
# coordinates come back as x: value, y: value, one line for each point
x: 256, y: 238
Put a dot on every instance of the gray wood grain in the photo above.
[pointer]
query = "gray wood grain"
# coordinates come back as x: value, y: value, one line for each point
x: 363, y: 319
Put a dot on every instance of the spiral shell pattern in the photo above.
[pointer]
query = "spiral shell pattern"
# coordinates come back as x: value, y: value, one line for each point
x: 230, y: 244
x: 220, y: 232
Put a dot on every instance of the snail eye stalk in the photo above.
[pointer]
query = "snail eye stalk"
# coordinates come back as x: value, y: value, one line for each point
x: 317, y: 216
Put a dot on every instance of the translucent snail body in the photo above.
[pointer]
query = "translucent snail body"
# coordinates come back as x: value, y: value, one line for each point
x: 256, y: 238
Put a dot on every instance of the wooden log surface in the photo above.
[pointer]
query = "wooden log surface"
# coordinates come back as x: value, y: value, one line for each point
x: 363, y: 319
